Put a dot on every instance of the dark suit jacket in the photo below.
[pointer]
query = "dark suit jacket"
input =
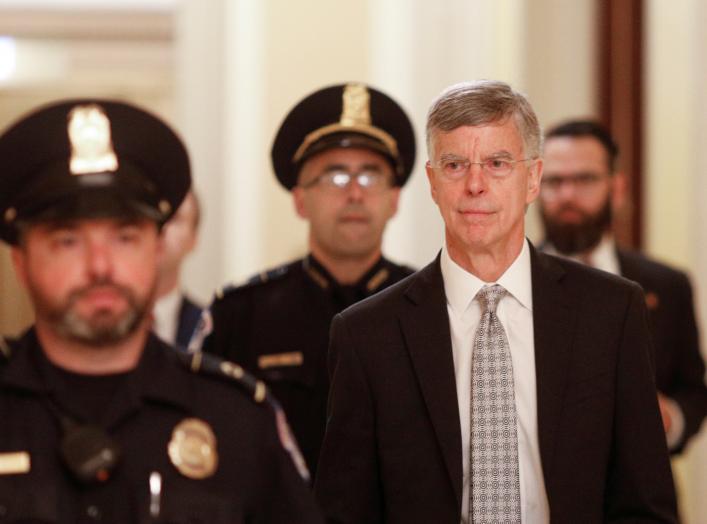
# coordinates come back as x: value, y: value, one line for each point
x: 680, y: 369
x: 189, y: 316
x: 392, y: 450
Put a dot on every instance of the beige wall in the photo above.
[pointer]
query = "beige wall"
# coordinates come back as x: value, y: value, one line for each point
x: 675, y: 189
x: 280, y: 51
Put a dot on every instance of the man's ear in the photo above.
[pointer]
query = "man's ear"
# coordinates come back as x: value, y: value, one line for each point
x: 619, y: 190
x: 161, y: 245
x: 298, y: 200
x: 431, y: 179
x: 535, y: 176
x: 19, y: 262
x: 394, y: 199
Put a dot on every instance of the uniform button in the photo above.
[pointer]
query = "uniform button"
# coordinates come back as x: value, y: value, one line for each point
x: 94, y: 512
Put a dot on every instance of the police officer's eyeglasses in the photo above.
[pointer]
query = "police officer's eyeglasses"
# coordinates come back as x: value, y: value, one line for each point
x: 338, y: 179
x: 583, y: 184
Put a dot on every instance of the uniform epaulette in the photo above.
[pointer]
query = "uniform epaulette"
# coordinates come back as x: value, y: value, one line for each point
x: 223, y: 291
x: 258, y: 278
x: 199, y: 362
x: 271, y: 274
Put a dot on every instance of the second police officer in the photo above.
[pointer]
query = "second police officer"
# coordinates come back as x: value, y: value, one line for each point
x: 344, y: 152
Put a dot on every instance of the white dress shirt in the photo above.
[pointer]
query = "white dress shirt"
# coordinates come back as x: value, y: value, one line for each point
x: 515, y: 312
x: 166, y: 316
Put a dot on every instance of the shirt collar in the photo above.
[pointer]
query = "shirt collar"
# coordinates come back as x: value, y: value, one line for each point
x: 603, y: 256
x: 461, y: 287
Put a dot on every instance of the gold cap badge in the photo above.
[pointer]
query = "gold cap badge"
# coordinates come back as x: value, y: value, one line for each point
x: 192, y: 449
x: 91, y: 145
x: 355, y: 117
x: 357, y: 106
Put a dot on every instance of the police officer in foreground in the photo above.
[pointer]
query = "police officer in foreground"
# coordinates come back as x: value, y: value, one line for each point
x: 344, y: 152
x: 101, y: 421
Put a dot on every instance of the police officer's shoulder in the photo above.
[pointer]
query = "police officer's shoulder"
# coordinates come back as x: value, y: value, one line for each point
x: 260, y: 280
x: 214, y: 368
x: 398, y: 271
x: 405, y: 270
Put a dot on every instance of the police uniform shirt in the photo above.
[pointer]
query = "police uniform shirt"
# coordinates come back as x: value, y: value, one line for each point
x: 277, y: 327
x: 254, y: 479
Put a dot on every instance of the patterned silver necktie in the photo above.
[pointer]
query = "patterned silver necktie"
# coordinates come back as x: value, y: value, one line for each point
x: 495, y: 478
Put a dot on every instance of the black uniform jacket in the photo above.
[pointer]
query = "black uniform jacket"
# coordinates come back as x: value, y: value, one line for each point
x: 680, y: 370
x: 392, y: 450
x: 254, y: 481
x: 277, y: 327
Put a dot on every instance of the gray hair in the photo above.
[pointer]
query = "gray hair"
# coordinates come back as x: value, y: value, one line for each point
x: 483, y: 102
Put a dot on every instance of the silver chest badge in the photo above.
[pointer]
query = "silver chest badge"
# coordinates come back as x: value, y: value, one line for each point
x: 192, y: 449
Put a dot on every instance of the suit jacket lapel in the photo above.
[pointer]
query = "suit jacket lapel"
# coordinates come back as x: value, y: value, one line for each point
x: 425, y: 327
x: 553, y: 325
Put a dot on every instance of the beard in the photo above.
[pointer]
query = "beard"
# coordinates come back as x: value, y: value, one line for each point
x: 570, y: 239
x: 102, y: 327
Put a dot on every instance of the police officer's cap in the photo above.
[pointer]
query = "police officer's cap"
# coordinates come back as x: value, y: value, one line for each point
x: 89, y: 158
x: 349, y: 116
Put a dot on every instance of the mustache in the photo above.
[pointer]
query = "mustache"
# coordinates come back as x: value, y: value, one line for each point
x: 571, y: 207
x: 102, y: 284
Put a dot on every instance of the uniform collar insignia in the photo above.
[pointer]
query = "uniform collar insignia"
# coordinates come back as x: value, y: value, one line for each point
x: 376, y: 280
x: 316, y: 272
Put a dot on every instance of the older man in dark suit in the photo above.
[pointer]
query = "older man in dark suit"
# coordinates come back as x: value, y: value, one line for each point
x: 498, y: 384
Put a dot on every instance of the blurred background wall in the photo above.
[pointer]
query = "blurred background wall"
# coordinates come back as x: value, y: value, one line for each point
x: 225, y: 72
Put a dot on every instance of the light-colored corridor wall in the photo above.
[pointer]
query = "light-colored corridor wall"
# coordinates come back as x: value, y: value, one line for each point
x: 676, y: 187
x: 243, y: 64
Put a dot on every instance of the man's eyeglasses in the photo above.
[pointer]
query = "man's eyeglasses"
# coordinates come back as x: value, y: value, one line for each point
x: 457, y: 168
x: 582, y: 183
x: 337, y: 179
